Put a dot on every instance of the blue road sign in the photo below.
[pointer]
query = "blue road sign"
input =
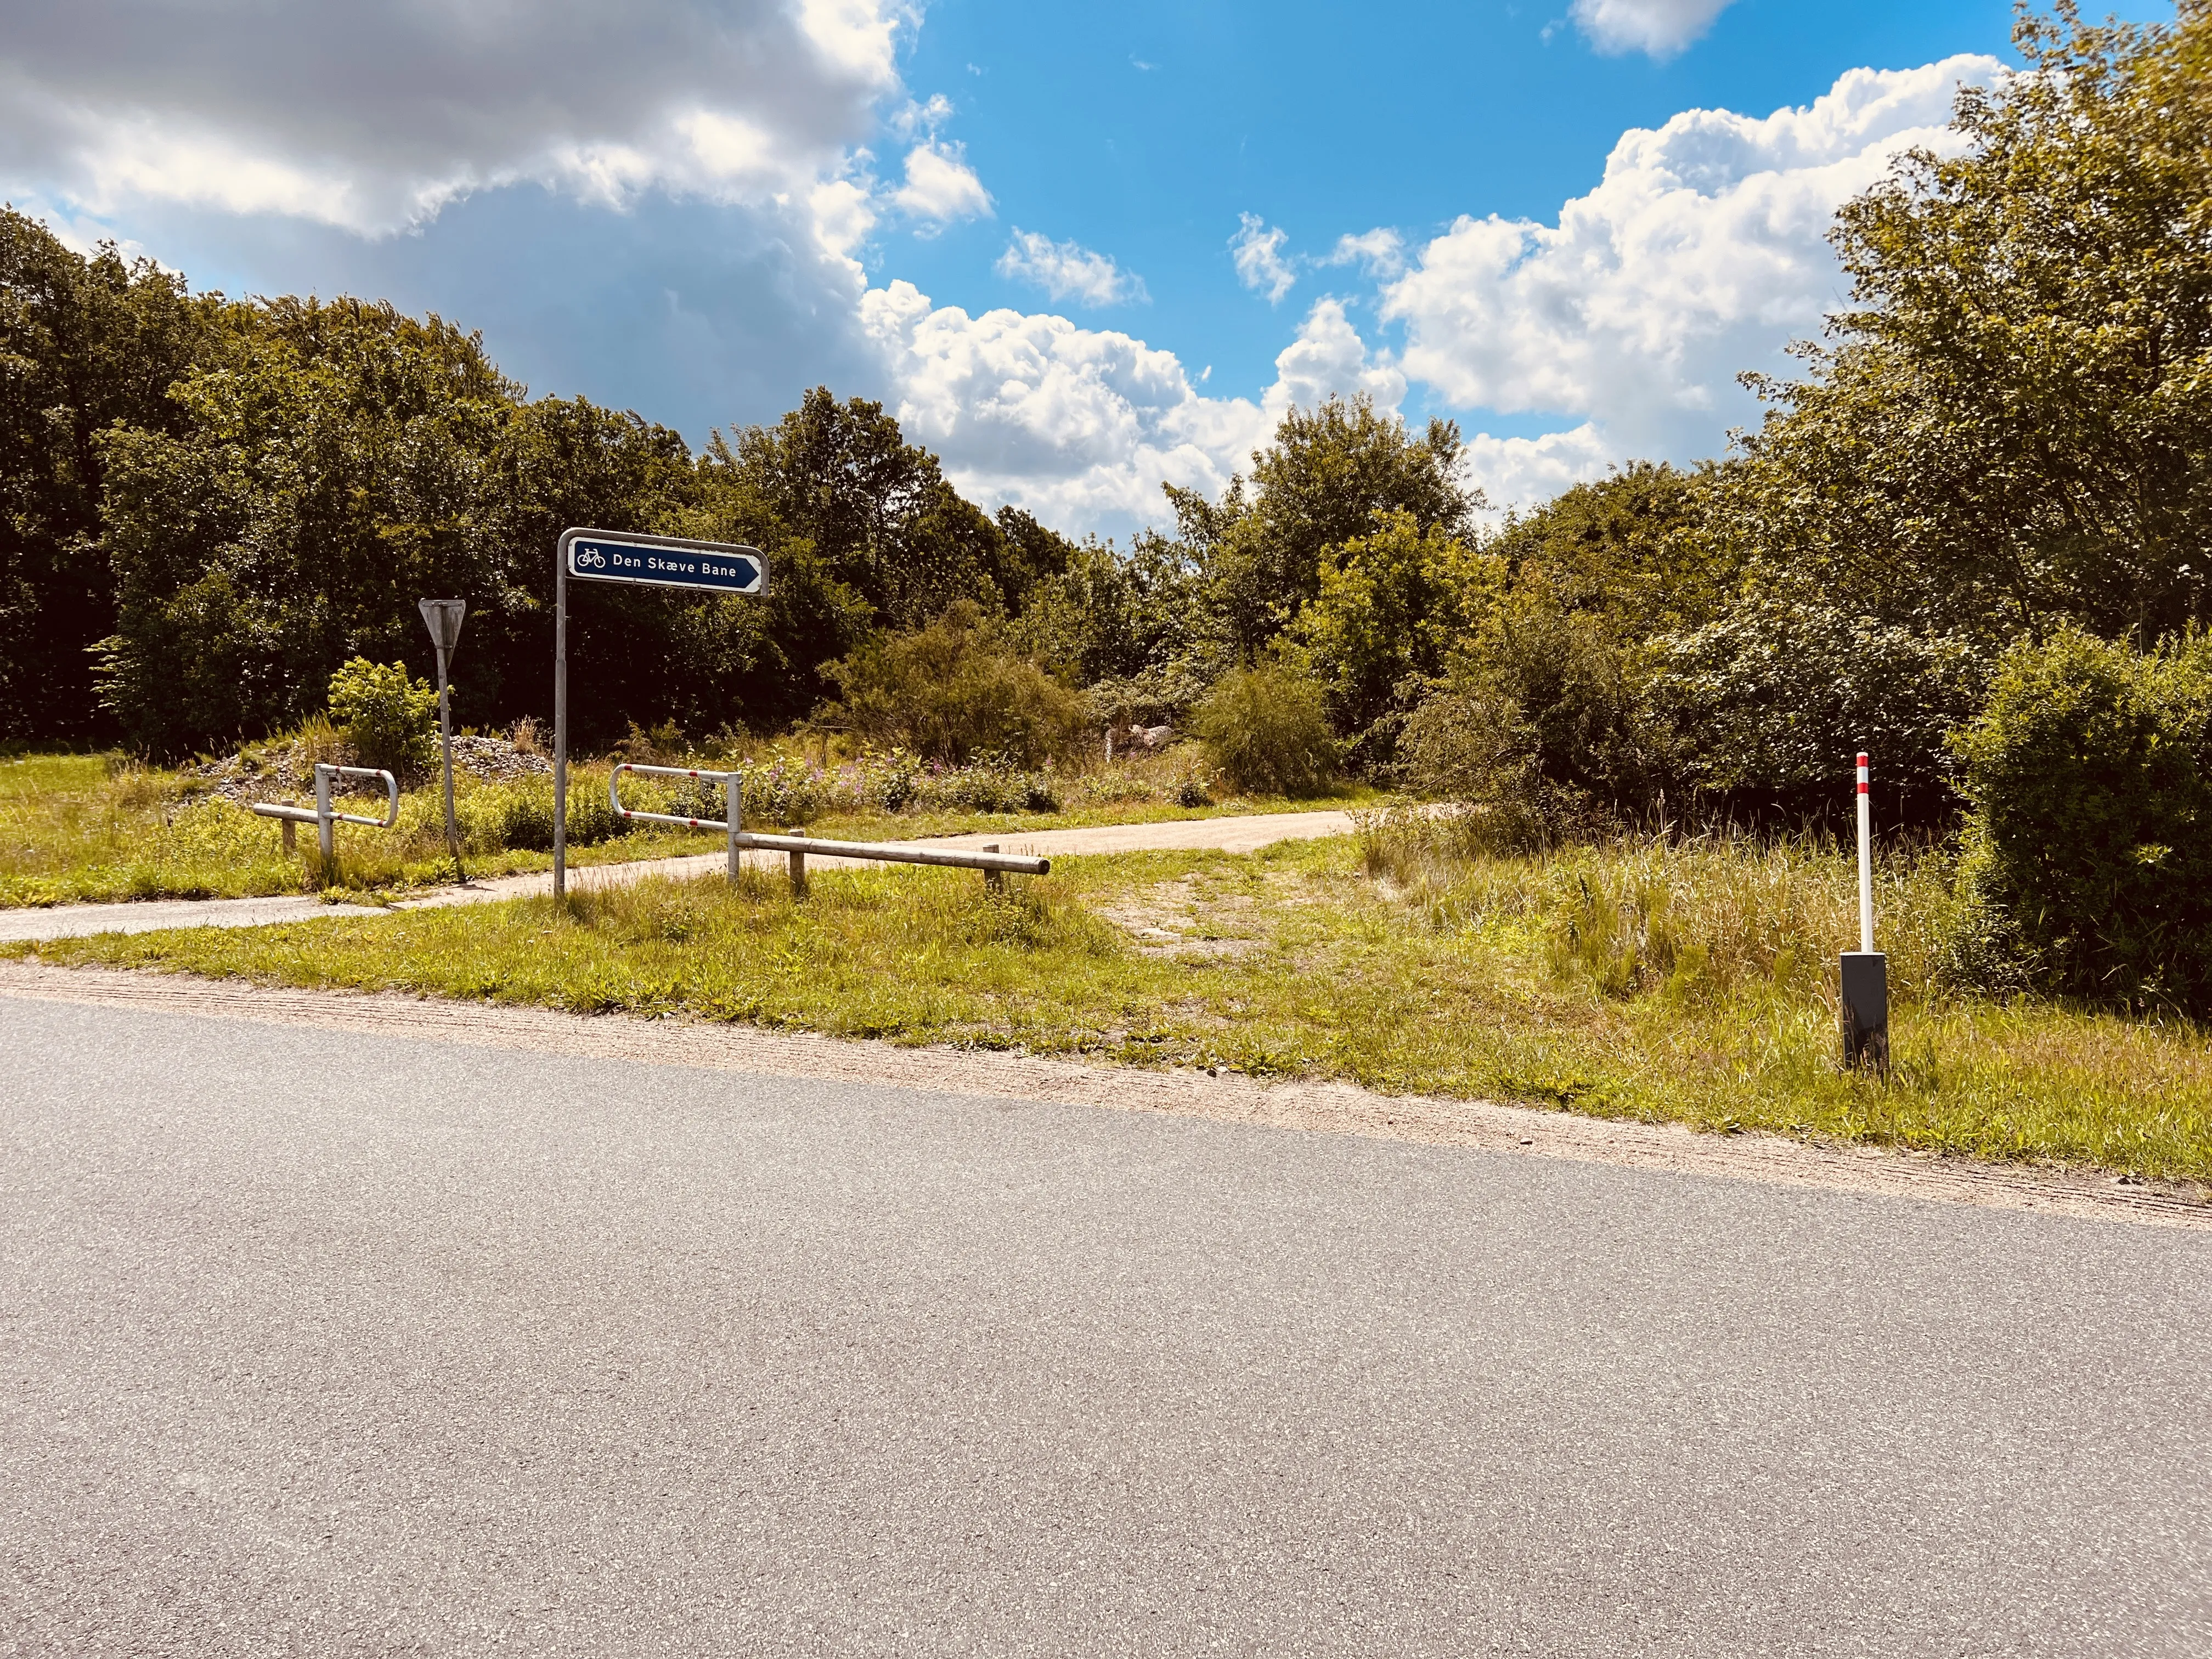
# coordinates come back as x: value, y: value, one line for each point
x: 665, y: 562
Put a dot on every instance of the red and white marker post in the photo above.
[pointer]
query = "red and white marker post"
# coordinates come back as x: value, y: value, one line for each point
x: 1865, y: 971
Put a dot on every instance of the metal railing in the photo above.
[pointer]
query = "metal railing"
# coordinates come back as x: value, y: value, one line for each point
x: 994, y: 864
x: 325, y: 820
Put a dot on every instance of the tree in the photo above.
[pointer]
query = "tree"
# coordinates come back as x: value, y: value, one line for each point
x: 337, y: 463
x: 2013, y: 424
x: 1332, y: 474
x: 1391, y: 610
x: 84, y: 344
x: 877, y: 511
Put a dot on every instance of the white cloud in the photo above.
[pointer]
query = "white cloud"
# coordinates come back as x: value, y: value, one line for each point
x: 373, y: 116
x: 940, y: 186
x: 1700, y: 254
x: 1660, y: 27
x: 1329, y: 359
x: 1381, y: 252
x: 1522, y: 471
x: 1065, y: 269
x: 1259, y: 255
x: 1081, y: 426
x: 924, y: 118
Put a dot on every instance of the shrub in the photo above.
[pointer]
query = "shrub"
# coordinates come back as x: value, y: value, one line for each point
x: 1266, y: 728
x: 1471, y: 745
x: 954, y: 689
x: 2090, y: 777
x: 389, y: 719
x: 993, y: 782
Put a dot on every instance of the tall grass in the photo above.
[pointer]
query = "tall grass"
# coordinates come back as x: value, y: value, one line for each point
x: 1688, y: 916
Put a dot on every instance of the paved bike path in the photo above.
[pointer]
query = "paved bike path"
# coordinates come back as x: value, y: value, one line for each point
x: 1237, y: 835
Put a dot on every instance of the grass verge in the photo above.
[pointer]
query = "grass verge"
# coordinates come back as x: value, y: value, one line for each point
x: 81, y: 829
x: 1686, y: 985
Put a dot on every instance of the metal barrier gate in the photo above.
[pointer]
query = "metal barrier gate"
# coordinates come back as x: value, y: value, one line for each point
x: 325, y: 820
x: 994, y: 864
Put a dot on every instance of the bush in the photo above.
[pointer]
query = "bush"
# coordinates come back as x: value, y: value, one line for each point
x: 955, y: 690
x: 1266, y: 728
x: 1768, y: 702
x: 389, y: 719
x: 1470, y: 744
x: 2087, y: 861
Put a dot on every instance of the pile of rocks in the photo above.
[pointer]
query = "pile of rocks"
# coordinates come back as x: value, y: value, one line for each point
x: 280, y: 769
x: 497, y: 760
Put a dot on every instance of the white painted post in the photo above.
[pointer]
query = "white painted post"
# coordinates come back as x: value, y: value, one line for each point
x: 326, y: 831
x: 1866, y: 861
x: 1863, y: 980
x: 734, y: 814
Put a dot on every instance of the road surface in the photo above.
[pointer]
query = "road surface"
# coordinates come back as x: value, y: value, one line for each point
x: 331, y: 1343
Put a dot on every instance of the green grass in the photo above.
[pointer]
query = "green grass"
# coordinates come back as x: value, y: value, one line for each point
x: 86, y: 828
x: 1685, y: 984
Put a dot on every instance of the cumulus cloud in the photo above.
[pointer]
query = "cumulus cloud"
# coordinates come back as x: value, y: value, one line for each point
x: 1329, y: 359
x: 1258, y: 251
x: 940, y: 186
x: 373, y: 116
x: 1660, y: 27
x: 1701, y: 254
x: 1069, y: 271
x: 1381, y: 252
x: 1081, y: 426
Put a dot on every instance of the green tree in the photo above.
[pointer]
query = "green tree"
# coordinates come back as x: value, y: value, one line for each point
x: 84, y: 344
x: 324, y: 476
x: 954, y: 690
x: 1392, y: 610
x: 1332, y: 474
x: 341, y: 461
x: 2090, y: 774
x: 877, y: 511
x: 2013, y: 424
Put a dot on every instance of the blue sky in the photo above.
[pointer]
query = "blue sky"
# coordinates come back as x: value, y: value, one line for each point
x: 1078, y: 249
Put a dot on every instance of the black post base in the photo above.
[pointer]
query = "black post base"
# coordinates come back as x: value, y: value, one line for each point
x: 1866, y: 1010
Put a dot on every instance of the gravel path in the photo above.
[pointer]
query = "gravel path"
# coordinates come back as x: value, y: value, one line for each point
x: 1240, y: 834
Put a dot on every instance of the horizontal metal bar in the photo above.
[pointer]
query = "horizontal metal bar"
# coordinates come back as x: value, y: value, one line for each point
x: 663, y: 817
x: 673, y: 771
x: 306, y: 815
x: 950, y: 859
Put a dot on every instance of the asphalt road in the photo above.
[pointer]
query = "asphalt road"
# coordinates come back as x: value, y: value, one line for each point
x: 391, y: 1346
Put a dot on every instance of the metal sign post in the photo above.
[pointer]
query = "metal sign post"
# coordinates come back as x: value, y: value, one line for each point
x: 444, y: 617
x: 609, y: 555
